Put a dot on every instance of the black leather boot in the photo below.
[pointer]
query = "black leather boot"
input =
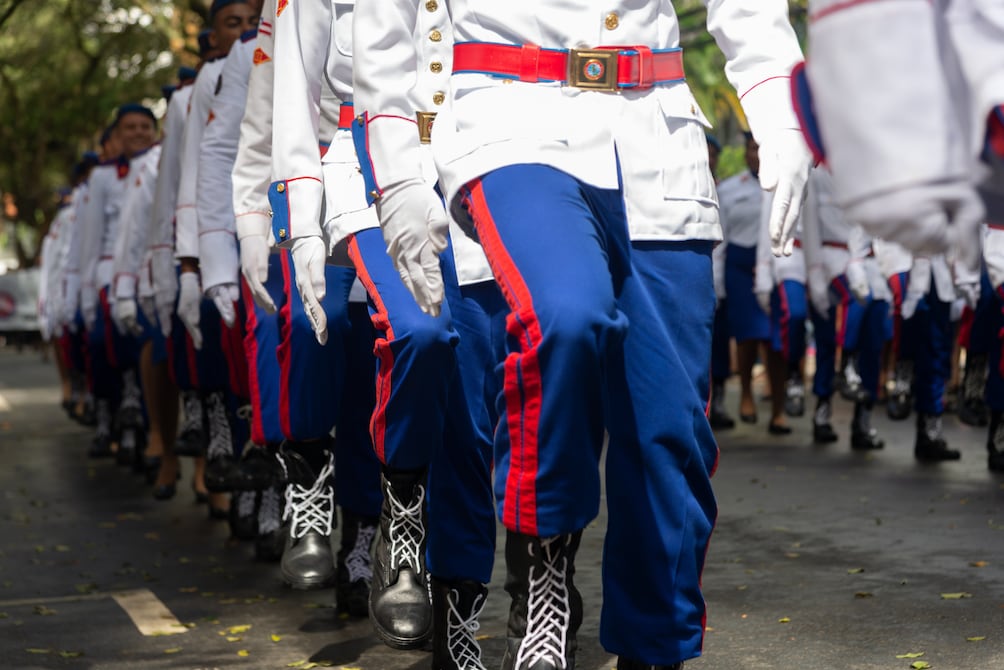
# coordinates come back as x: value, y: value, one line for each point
x: 718, y: 417
x: 995, y: 442
x: 628, y: 664
x: 900, y: 397
x: 822, y: 430
x: 972, y: 409
x: 930, y: 446
x: 244, y: 515
x: 400, y: 608
x: 863, y: 436
x: 271, y: 538
x: 546, y: 609
x: 794, y: 395
x: 222, y: 471
x: 192, y: 435
x: 456, y: 607
x: 101, y: 445
x: 355, y: 565
x: 307, y: 561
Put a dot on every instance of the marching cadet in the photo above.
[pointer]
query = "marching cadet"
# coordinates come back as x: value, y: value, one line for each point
x: 740, y: 203
x: 543, y: 192
x: 49, y: 295
x: 894, y: 263
x: 230, y: 19
x: 828, y: 270
x: 113, y: 356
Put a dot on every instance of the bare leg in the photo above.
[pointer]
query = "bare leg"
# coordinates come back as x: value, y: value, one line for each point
x: 746, y: 355
x: 777, y: 374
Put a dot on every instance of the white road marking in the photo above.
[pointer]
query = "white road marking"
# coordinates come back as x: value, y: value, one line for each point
x: 4, y: 405
x: 150, y: 615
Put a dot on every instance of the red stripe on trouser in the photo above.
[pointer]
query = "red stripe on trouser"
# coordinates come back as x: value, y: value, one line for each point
x: 251, y: 351
x: 522, y: 383
x: 106, y: 315
x: 283, y: 351
x: 232, y: 341
x: 381, y: 349
x: 785, y: 321
x: 845, y: 298
x: 897, y: 315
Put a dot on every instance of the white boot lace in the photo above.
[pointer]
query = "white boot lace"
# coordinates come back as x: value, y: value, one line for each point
x: 358, y: 561
x: 131, y: 395
x: 461, y: 631
x: 269, y: 512
x: 103, y: 415
x: 822, y: 415
x: 548, y: 609
x: 245, y: 503
x: 407, y: 531
x: 311, y: 509
x: 193, y: 413
x: 220, y: 438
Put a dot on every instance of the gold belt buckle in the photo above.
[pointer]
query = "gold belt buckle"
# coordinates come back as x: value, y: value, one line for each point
x: 593, y: 69
x: 425, y: 120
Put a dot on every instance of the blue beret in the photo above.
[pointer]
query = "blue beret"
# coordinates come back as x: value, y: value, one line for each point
x: 134, y: 108
x: 167, y: 91
x: 713, y: 141
x: 204, y: 45
x: 220, y: 4
x: 187, y: 73
x: 90, y: 158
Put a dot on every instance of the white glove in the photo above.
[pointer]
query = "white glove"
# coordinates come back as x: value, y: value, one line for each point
x: 89, y: 306
x: 309, y: 258
x: 125, y: 318
x: 917, y: 287
x: 819, y: 290
x: 165, y: 313
x: 254, y: 267
x: 763, y: 299
x: 857, y: 279
x: 415, y: 228
x: 926, y: 219
x: 165, y: 287
x: 224, y: 296
x: 785, y: 162
x: 189, y: 303
x: 969, y: 292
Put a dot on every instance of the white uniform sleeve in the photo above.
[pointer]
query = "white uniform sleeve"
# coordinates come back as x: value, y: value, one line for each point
x: 302, y: 36
x: 252, y: 166
x: 186, y: 231
x: 760, y: 49
x: 90, y: 225
x: 218, y: 259
x: 134, y: 231
x: 385, y: 62
x: 993, y: 254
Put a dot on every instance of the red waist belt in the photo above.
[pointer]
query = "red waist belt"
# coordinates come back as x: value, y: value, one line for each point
x: 346, y: 114
x: 605, y: 68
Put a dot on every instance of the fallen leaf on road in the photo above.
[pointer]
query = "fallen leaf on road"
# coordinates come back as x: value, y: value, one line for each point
x: 979, y: 638
x: 71, y: 654
x: 243, y: 628
x: 912, y: 654
x: 38, y: 651
x: 855, y: 571
x: 863, y: 594
x: 87, y: 588
x: 42, y: 610
x: 920, y: 665
x: 243, y: 653
x: 61, y: 547
x: 234, y: 638
x: 189, y: 589
x: 172, y: 650
x: 275, y: 638
x: 956, y: 596
x: 784, y: 619
x: 978, y: 564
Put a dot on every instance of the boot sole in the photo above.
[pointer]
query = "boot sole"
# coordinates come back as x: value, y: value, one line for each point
x: 399, y: 643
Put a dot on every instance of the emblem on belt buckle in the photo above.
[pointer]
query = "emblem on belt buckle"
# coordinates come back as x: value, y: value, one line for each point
x: 425, y: 120
x: 593, y: 69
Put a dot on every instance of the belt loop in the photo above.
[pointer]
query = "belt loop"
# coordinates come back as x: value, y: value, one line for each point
x: 646, y: 67
x: 529, y: 57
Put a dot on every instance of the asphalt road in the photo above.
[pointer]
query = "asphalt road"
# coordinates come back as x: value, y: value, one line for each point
x: 822, y: 558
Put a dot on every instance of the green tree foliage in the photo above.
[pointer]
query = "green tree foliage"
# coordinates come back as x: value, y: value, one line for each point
x: 65, y: 65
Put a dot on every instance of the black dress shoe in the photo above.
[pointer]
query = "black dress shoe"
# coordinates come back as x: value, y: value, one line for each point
x: 930, y: 446
x: 824, y: 433
x: 628, y: 664
x: 218, y: 513
x: 258, y: 469
x: 721, y: 421
x: 778, y: 429
x: 747, y: 418
x: 866, y: 440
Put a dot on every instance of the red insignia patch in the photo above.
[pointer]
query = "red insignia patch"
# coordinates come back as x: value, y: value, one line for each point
x: 260, y: 56
x: 280, y: 7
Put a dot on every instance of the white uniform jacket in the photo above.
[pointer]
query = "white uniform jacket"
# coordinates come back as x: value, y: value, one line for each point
x: 825, y: 231
x: 487, y: 122
x: 98, y: 227
x: 993, y: 254
x: 740, y: 199
x: 186, y: 229
x: 772, y: 270
x: 861, y: 250
x: 219, y: 261
x: 130, y: 257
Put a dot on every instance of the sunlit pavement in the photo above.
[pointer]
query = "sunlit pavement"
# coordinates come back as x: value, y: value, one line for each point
x: 822, y: 558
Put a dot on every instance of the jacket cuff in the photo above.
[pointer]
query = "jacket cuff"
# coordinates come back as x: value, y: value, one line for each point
x: 388, y: 149
x: 186, y: 233
x: 768, y: 106
x: 219, y: 260
x: 296, y: 209
x: 125, y: 286
x: 250, y: 224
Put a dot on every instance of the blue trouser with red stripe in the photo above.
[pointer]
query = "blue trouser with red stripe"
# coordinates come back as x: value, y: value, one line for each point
x: 995, y: 377
x: 746, y: 320
x: 824, y: 333
x: 787, y: 324
x: 721, y: 365
x: 461, y: 522
x: 261, y: 340
x: 416, y: 361
x: 982, y: 335
x: 202, y: 369
x: 109, y: 352
x: 927, y: 340
x: 560, y: 253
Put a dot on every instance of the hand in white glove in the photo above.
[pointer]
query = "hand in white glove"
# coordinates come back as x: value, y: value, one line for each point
x: 969, y: 292
x: 926, y: 219
x: 415, y: 228
x: 309, y: 258
x: 189, y: 305
x: 819, y: 290
x: 124, y: 316
x: 89, y: 306
x: 857, y: 279
x: 254, y: 267
x: 165, y: 314
x: 224, y: 296
x: 763, y: 299
x: 785, y: 162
